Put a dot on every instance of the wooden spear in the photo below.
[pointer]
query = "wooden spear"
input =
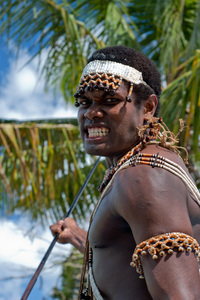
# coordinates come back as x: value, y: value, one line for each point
x: 44, y: 259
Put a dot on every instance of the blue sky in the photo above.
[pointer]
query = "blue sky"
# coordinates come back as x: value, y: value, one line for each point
x: 23, y: 243
x: 22, y: 93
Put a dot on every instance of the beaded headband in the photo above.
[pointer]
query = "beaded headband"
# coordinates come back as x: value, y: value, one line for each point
x: 114, y: 68
x: 107, y: 75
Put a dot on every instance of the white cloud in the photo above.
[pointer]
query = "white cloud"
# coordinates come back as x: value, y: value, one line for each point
x: 22, y: 247
x: 21, y: 251
x: 22, y: 94
x: 26, y: 80
x: 15, y: 283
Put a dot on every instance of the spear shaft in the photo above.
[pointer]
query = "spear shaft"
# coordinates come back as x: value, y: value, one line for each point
x: 44, y: 259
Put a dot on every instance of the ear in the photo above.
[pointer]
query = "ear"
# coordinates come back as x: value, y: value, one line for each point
x: 150, y: 107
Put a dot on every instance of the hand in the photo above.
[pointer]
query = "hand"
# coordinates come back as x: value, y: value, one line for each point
x: 69, y: 232
x: 65, y: 229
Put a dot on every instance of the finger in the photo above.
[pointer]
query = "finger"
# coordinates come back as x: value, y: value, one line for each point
x: 55, y: 228
x: 60, y: 223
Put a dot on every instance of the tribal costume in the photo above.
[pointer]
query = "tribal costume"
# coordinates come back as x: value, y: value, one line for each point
x: 108, y: 76
x: 159, y: 245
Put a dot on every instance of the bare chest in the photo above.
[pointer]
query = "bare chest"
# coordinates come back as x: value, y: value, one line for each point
x: 108, y: 228
x: 112, y: 245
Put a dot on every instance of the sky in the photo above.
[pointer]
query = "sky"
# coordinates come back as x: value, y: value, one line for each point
x: 23, y: 244
x: 22, y: 93
x: 22, y: 248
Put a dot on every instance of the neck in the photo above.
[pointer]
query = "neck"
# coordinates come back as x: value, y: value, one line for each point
x: 111, y: 161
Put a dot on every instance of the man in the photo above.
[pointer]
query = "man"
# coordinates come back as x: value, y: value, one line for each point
x: 148, y: 212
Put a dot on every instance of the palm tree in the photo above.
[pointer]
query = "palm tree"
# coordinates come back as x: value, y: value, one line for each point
x: 43, y: 166
x: 167, y: 31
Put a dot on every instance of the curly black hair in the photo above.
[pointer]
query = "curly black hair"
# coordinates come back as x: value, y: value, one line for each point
x: 137, y: 60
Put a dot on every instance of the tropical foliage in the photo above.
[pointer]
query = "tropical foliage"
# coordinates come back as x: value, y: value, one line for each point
x: 71, y: 275
x: 168, y: 31
x: 43, y: 167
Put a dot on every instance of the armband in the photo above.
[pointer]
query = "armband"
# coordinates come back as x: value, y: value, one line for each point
x: 164, y: 244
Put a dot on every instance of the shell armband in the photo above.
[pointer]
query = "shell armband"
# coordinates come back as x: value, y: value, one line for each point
x: 164, y: 244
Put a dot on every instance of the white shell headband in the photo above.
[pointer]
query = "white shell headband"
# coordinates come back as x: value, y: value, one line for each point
x: 107, y: 75
x: 113, y: 68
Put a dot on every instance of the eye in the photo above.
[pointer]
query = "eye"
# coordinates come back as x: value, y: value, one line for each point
x: 84, y: 102
x: 111, y: 101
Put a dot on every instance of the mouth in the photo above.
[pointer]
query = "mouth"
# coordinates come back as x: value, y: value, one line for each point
x: 96, y: 132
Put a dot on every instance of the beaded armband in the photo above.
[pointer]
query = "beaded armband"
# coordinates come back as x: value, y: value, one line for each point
x: 164, y: 244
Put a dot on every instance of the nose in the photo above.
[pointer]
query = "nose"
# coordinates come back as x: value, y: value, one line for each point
x: 93, y: 112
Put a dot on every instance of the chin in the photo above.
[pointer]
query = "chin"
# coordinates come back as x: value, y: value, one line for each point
x: 99, y: 151
x: 94, y: 152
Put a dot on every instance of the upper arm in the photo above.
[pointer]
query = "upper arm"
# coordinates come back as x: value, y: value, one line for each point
x: 153, y: 202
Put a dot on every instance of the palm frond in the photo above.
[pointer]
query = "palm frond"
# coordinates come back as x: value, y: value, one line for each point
x: 181, y: 100
x: 43, y: 167
x: 58, y: 28
x: 165, y: 30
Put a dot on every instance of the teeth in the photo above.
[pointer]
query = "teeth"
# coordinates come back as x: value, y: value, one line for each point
x: 96, y: 132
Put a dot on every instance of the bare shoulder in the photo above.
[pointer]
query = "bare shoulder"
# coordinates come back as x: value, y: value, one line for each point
x: 161, y: 151
x: 152, y: 200
x: 142, y: 180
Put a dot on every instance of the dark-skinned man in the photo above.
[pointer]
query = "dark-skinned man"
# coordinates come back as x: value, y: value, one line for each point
x: 143, y: 237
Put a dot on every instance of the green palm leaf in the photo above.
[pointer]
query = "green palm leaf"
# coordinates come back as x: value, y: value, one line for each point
x: 181, y: 100
x: 45, y: 172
